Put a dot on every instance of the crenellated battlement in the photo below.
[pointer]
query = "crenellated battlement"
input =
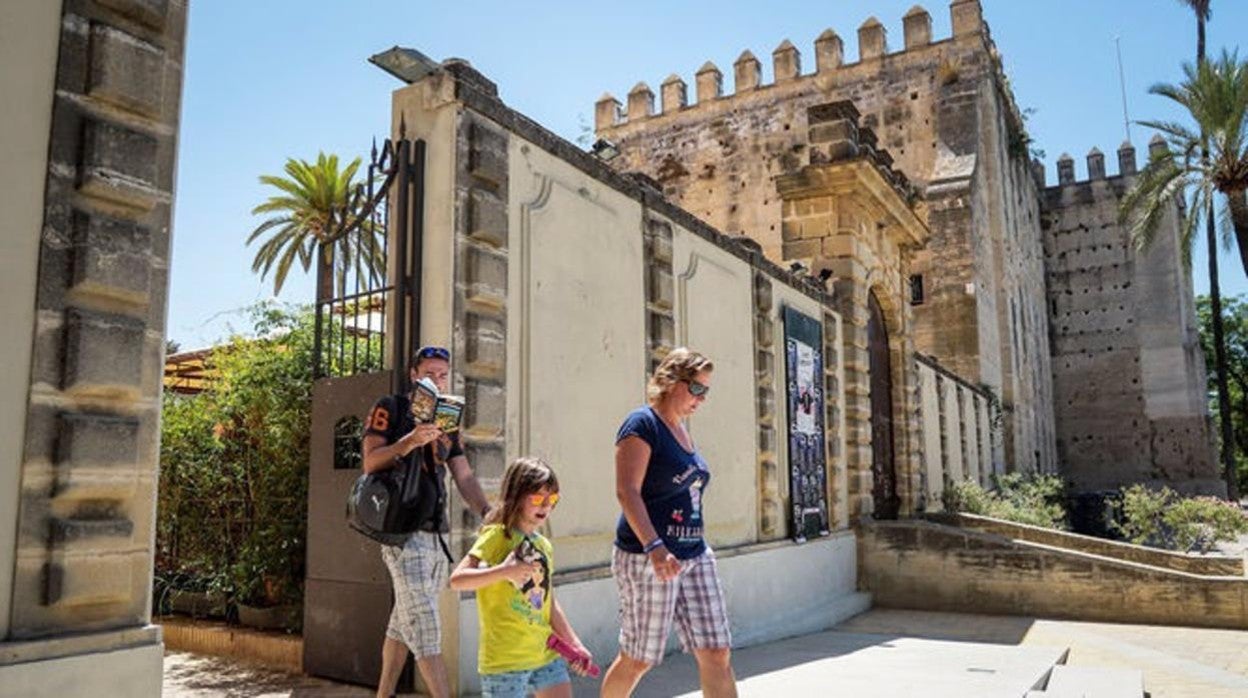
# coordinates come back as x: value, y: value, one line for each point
x: 873, y: 51
x: 1095, y: 160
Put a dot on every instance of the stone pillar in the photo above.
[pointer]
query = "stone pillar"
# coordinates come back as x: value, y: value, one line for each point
x: 1037, y: 172
x: 710, y: 82
x: 917, y: 26
x: 786, y: 62
x: 872, y: 40
x: 746, y: 69
x: 606, y: 112
x: 1126, y: 159
x: 640, y: 102
x: 829, y: 51
x: 674, y: 93
x: 1065, y: 169
x: 1096, y: 164
x: 79, y: 619
x: 771, y: 503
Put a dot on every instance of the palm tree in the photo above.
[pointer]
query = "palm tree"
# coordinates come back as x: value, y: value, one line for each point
x: 1204, y: 12
x: 318, y: 209
x: 1207, y: 162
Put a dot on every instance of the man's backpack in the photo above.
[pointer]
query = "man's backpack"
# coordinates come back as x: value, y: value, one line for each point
x: 375, y: 507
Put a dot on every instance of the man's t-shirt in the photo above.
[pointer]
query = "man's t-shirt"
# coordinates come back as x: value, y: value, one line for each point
x: 672, y: 489
x: 424, y: 469
x: 514, y: 622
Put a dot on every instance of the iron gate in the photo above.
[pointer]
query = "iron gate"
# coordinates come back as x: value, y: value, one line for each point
x: 367, y: 321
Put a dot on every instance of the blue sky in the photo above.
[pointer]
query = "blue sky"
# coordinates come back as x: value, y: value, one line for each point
x: 269, y: 80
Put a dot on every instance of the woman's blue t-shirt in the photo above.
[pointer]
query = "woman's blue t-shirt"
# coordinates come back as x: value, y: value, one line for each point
x: 672, y: 489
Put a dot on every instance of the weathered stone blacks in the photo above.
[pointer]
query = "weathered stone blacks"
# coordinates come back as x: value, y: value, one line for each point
x: 150, y: 13
x: 97, y: 440
x: 126, y: 71
x: 102, y: 350
x: 63, y: 531
x: 112, y: 257
x: 487, y: 218
x: 487, y: 156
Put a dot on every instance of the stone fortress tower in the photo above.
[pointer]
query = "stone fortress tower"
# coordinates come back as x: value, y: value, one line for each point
x: 1128, y: 372
x: 993, y: 294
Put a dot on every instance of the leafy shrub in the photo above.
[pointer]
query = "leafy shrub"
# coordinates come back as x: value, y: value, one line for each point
x: 1036, y: 500
x: 231, y: 512
x: 1163, y: 519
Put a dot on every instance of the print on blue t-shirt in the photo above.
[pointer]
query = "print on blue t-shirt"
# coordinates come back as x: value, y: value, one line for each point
x: 672, y: 488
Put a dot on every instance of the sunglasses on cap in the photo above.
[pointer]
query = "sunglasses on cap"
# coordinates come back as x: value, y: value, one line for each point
x: 697, y: 389
x: 538, y: 500
x: 432, y: 352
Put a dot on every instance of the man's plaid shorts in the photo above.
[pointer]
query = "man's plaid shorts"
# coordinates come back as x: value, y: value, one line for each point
x: 419, y: 572
x: 648, y: 607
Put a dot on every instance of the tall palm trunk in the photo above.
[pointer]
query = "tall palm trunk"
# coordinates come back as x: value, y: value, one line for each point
x: 1215, y: 306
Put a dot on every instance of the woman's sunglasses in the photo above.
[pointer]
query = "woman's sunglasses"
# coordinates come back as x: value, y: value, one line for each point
x: 538, y: 500
x: 697, y: 389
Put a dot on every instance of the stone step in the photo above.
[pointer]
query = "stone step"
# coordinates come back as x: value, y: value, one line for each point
x: 1092, y: 682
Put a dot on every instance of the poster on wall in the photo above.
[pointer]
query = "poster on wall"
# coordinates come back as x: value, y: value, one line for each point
x: 808, y: 472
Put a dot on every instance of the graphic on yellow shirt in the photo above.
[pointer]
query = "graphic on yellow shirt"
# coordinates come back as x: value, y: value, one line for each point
x: 514, y: 619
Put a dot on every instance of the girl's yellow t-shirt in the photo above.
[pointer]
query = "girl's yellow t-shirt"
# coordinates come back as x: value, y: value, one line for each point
x: 514, y: 622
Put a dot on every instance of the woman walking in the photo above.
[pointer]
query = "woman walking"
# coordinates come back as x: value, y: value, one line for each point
x: 663, y: 568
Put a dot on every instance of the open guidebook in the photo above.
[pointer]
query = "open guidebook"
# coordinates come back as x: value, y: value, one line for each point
x: 430, y: 406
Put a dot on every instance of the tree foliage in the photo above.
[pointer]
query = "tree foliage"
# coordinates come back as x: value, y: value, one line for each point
x: 1036, y: 500
x: 231, y: 510
x: 1235, y: 332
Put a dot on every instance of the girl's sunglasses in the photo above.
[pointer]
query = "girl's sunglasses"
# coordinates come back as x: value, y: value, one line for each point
x: 697, y: 389
x: 538, y: 500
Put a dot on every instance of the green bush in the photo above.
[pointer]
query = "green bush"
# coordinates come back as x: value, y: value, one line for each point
x: 1163, y: 519
x: 1036, y: 500
x: 231, y: 513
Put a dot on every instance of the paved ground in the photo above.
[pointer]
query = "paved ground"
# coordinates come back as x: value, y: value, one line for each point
x: 894, y: 652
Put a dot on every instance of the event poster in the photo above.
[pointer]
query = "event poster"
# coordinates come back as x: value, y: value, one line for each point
x: 808, y: 480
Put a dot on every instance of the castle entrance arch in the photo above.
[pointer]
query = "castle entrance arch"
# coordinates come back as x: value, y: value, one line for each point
x: 883, y: 461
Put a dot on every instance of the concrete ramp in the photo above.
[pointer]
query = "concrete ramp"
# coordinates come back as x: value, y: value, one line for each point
x: 860, y: 664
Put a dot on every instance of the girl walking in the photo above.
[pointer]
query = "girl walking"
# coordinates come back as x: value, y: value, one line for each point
x: 510, y: 567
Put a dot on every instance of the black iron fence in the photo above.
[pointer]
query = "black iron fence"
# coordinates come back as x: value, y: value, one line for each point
x: 366, y: 292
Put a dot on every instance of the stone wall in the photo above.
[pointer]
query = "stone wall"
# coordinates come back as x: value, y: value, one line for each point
x: 559, y: 282
x: 81, y: 580
x: 1128, y: 372
x: 958, y: 433
x: 944, y: 113
x: 926, y: 566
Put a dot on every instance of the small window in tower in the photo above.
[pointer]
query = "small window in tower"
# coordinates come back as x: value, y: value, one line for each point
x: 916, y: 289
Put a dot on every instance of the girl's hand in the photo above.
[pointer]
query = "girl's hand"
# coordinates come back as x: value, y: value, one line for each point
x: 665, y: 564
x: 517, y: 571
x: 580, y: 666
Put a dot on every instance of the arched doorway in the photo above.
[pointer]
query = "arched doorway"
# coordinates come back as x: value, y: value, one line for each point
x: 883, y: 462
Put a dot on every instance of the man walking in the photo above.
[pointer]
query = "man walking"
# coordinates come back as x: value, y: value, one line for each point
x: 419, y: 568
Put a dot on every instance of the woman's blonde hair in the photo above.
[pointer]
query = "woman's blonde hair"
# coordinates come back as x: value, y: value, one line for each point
x: 681, y: 364
x: 525, y: 476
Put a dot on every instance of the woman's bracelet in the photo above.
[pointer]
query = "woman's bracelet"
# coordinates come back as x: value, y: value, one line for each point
x: 652, y: 545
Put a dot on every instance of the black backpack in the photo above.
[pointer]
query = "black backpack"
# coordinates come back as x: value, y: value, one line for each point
x: 389, y: 504
x: 375, y: 506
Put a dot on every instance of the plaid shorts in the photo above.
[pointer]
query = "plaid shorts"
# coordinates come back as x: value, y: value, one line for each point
x: 694, y: 600
x: 418, y: 571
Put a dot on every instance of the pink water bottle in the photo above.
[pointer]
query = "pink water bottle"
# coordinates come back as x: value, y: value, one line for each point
x: 570, y: 653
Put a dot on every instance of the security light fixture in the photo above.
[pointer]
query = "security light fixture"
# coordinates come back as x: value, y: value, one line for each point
x: 406, y: 64
x: 604, y: 150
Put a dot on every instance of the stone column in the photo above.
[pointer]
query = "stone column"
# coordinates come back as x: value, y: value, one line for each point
x: 79, y: 619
